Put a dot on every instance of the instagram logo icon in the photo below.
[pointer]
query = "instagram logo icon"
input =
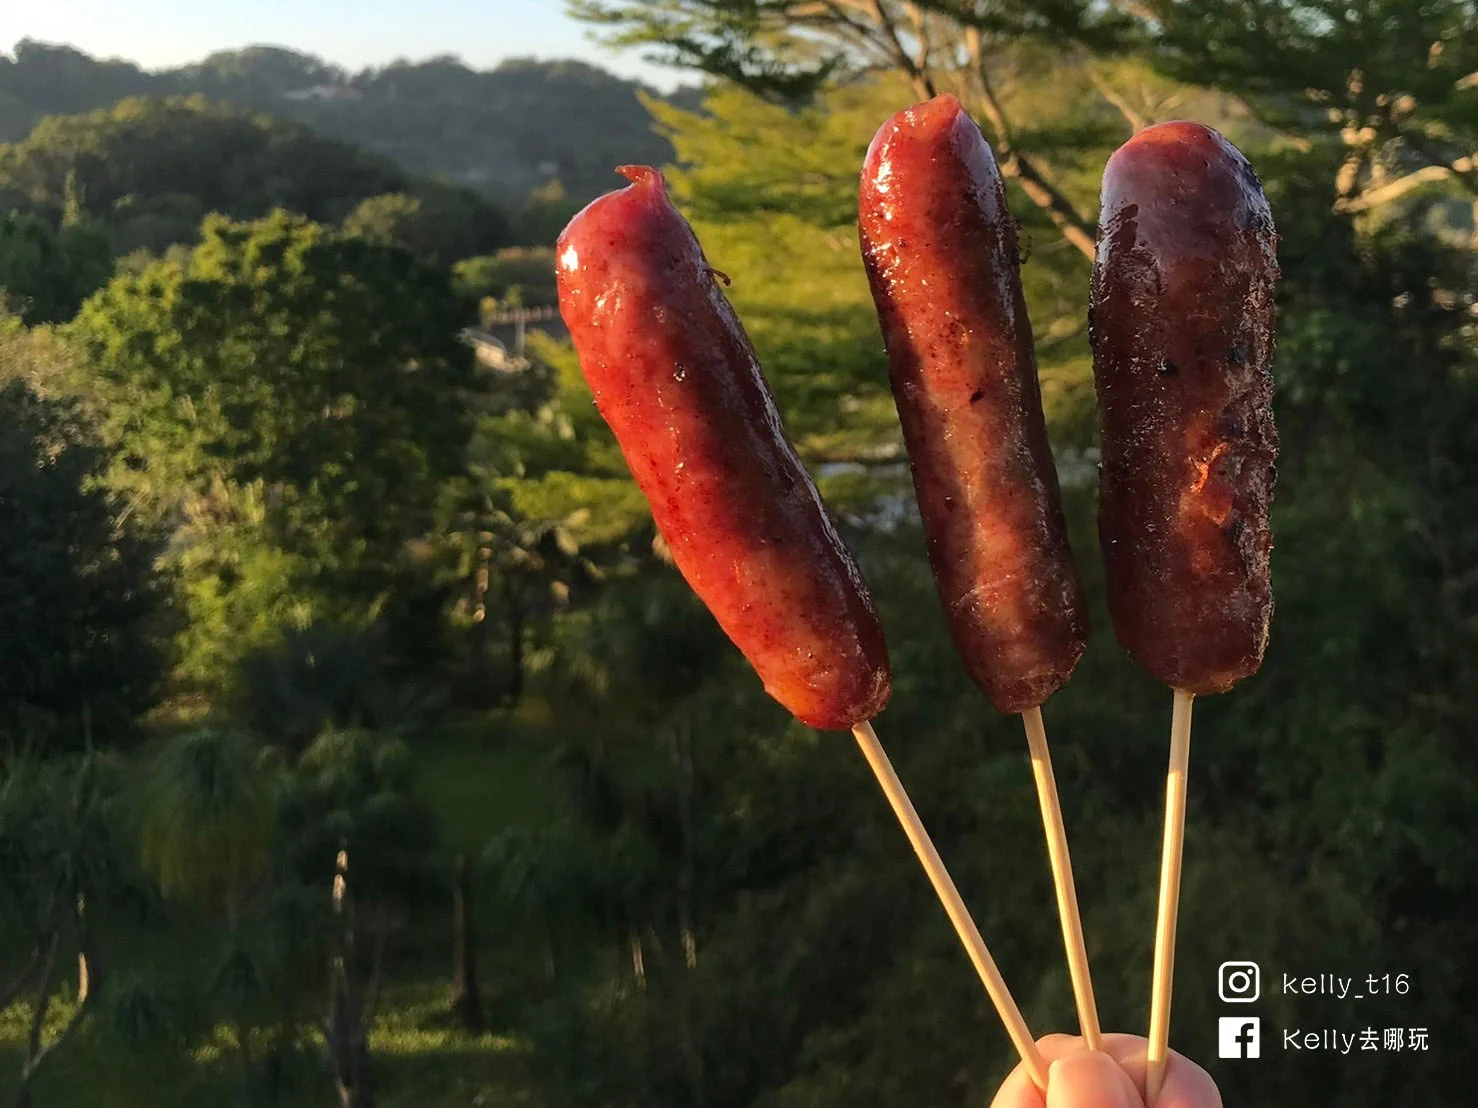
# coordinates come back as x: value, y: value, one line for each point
x: 1239, y: 982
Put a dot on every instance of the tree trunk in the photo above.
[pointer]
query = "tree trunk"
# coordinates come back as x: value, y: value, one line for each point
x: 466, y: 996
x: 638, y: 960
x: 1015, y: 165
x: 89, y: 973
x: 40, y: 1006
x: 84, y: 978
x: 515, y: 644
x: 482, y: 688
x: 345, y: 1036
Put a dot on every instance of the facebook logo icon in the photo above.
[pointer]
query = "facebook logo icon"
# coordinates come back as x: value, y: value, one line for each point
x: 1239, y: 1037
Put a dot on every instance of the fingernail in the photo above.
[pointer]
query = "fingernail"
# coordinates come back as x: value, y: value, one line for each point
x: 1089, y: 1080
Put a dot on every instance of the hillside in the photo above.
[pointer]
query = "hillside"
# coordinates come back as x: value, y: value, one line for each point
x: 503, y: 131
x: 151, y: 169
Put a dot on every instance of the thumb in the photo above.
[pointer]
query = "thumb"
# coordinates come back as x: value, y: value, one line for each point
x: 1087, y: 1079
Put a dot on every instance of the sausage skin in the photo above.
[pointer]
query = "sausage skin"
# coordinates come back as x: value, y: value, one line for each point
x: 675, y: 376
x: 941, y: 254
x: 1183, y: 329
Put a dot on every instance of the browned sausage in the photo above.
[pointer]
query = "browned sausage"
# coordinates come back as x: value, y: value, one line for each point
x: 941, y: 254
x: 677, y: 380
x: 1183, y: 328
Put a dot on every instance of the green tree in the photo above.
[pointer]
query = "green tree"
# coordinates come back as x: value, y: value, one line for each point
x: 150, y: 169
x: 47, y: 272
x: 355, y: 827
x: 145, y: 150
x: 545, y: 212
x: 330, y: 677
x: 436, y: 223
x: 986, y: 53
x: 290, y: 399
x: 63, y: 873
x: 80, y: 601
x: 1389, y: 84
x: 206, y: 812
x: 545, y: 504
x: 522, y: 272
x: 42, y: 78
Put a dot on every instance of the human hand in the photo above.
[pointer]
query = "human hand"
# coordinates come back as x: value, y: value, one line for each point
x: 1082, y: 1078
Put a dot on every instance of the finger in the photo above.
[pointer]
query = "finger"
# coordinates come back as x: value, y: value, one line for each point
x: 1187, y: 1085
x: 1019, y: 1091
x: 1088, y: 1079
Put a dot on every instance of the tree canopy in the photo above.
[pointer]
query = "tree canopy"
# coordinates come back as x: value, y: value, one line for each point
x: 504, y: 131
x: 293, y: 397
x: 81, y: 606
x: 149, y: 170
x: 47, y: 271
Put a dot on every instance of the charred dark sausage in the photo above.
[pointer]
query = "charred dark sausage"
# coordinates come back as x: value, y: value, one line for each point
x: 941, y: 254
x: 1183, y: 326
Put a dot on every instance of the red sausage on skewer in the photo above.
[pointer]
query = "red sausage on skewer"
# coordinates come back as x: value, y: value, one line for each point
x: 1182, y: 321
x: 941, y: 254
x: 674, y: 375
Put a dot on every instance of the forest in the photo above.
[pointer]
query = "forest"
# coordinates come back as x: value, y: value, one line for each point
x: 506, y: 132
x: 360, y: 744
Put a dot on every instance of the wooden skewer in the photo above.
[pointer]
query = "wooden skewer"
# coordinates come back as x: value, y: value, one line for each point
x: 1169, y: 910
x: 959, y: 915
x: 1062, y: 878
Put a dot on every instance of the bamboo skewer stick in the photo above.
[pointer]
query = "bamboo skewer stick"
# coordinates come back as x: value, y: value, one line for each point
x: 1062, y: 878
x: 959, y: 915
x: 1169, y: 909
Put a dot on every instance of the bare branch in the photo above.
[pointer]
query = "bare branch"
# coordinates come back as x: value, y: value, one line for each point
x: 923, y: 84
x: 1464, y: 169
x: 36, y: 1051
x: 43, y: 1002
x: 919, y: 18
x: 61, y: 1037
x: 1136, y: 9
x: 832, y: 14
x: 1015, y: 166
x: 1136, y: 121
x: 1394, y: 190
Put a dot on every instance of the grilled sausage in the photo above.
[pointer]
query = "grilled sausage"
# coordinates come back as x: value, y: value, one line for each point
x: 675, y: 376
x: 1182, y: 321
x: 941, y: 254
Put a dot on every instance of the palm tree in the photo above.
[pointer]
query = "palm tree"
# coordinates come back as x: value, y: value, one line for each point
x: 62, y: 864
x: 206, y: 809
x: 354, y: 827
x: 511, y: 566
x: 206, y: 812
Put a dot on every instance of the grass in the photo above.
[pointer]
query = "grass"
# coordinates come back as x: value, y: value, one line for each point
x: 418, y: 1062
x: 484, y: 777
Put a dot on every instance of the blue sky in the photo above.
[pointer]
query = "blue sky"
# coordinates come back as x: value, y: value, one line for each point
x: 353, y: 33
